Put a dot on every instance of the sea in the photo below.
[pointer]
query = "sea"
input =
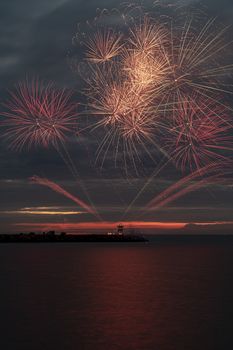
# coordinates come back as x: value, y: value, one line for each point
x: 116, y: 296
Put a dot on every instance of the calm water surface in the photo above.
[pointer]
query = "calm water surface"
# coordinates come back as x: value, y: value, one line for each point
x: 116, y: 297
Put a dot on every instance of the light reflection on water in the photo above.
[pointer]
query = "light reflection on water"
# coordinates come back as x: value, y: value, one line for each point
x: 119, y: 296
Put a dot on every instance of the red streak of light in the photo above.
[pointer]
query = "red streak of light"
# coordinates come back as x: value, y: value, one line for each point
x: 53, y: 186
x: 176, y: 186
x: 184, y: 191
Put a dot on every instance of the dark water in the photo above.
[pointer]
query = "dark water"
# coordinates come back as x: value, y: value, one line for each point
x: 116, y: 296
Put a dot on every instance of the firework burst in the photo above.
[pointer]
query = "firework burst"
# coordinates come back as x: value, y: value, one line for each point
x: 199, y: 133
x: 38, y: 114
x: 125, y: 116
x: 103, y: 46
x: 147, y: 36
x: 162, y: 78
x: 145, y: 71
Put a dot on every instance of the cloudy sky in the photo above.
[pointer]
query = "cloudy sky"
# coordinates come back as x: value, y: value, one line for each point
x: 36, y: 40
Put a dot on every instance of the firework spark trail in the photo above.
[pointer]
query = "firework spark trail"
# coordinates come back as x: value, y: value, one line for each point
x: 208, y: 169
x: 195, y: 60
x: 147, y: 36
x: 139, y: 193
x: 190, y: 188
x: 144, y: 71
x: 167, y: 196
x: 143, y: 60
x: 57, y: 188
x: 103, y: 46
x: 213, y: 173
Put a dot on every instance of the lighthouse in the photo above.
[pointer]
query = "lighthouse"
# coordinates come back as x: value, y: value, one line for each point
x: 120, y: 229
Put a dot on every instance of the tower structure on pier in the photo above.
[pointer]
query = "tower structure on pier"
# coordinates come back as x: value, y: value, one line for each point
x: 120, y: 229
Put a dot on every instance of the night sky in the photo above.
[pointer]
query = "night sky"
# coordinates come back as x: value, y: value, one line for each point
x: 36, y: 40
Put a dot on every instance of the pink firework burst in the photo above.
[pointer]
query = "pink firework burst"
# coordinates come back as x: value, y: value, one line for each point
x: 38, y: 114
x: 199, y: 133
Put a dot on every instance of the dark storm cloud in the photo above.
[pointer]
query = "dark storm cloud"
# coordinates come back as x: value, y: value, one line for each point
x: 27, y: 31
x: 36, y: 37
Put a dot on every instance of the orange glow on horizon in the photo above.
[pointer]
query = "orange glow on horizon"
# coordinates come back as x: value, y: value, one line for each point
x: 106, y: 225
